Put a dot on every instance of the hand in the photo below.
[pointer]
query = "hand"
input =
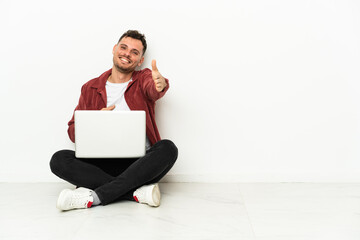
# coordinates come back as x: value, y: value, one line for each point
x: 108, y: 108
x: 159, y: 80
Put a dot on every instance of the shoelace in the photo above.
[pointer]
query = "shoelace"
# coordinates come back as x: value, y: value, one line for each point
x: 79, y: 199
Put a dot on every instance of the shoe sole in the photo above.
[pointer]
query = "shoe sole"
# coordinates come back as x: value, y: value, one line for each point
x: 61, y: 199
x: 156, y: 196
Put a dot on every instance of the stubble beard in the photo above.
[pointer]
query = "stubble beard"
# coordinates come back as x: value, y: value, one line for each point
x: 121, y: 69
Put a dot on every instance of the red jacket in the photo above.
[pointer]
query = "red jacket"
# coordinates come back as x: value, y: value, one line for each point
x: 140, y: 94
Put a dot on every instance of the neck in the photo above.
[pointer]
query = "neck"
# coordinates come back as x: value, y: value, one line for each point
x: 119, y: 77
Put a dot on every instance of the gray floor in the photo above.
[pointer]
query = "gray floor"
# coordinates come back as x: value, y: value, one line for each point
x: 283, y: 211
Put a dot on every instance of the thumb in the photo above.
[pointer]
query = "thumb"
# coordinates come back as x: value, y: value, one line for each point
x: 153, y: 65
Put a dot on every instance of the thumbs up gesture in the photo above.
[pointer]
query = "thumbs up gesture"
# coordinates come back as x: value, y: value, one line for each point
x: 159, y: 80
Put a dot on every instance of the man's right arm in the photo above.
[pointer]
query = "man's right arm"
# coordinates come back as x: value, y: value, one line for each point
x: 81, y: 106
x: 87, y: 101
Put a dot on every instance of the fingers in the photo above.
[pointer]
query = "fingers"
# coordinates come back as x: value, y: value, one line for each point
x: 160, y: 84
x: 108, y: 108
x: 159, y: 88
x: 153, y: 65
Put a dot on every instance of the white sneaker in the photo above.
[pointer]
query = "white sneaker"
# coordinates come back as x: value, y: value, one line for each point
x: 149, y: 194
x: 73, y: 199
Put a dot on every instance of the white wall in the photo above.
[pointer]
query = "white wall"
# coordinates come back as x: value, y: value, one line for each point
x: 260, y: 90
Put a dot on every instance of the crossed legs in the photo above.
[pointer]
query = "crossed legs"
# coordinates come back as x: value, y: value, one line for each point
x: 115, y: 179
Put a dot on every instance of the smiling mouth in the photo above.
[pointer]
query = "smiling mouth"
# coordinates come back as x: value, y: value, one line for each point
x: 125, y: 60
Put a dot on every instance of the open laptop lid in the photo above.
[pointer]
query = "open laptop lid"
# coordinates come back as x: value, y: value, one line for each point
x: 110, y: 134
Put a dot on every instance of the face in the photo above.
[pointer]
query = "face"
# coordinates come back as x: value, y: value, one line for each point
x: 127, y: 55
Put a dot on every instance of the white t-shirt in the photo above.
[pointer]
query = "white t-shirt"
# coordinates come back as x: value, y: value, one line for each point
x: 115, y: 96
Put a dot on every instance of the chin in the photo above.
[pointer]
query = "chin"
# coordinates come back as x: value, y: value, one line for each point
x: 123, y: 70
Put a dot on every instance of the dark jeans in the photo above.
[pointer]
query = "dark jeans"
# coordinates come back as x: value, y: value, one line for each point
x: 115, y: 179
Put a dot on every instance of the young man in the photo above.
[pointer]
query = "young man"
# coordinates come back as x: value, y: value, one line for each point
x: 122, y: 88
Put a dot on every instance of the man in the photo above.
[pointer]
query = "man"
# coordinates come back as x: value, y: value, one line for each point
x: 122, y: 88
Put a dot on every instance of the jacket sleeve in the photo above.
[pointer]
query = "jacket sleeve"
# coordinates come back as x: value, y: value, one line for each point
x: 81, y: 106
x: 149, y: 86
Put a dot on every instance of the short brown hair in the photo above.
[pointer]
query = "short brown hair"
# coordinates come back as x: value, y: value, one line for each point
x: 136, y: 35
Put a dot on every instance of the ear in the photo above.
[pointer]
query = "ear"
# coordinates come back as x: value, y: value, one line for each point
x: 141, y: 61
x: 113, y: 51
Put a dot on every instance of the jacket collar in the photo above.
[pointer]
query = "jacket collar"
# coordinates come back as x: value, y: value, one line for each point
x: 100, y: 84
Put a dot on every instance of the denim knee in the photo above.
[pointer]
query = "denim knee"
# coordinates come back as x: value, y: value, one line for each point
x: 57, y: 162
x: 169, y: 149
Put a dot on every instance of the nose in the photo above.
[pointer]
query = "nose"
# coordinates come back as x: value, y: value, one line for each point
x: 125, y: 53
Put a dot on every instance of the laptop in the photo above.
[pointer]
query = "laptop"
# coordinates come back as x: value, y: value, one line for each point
x: 110, y: 134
